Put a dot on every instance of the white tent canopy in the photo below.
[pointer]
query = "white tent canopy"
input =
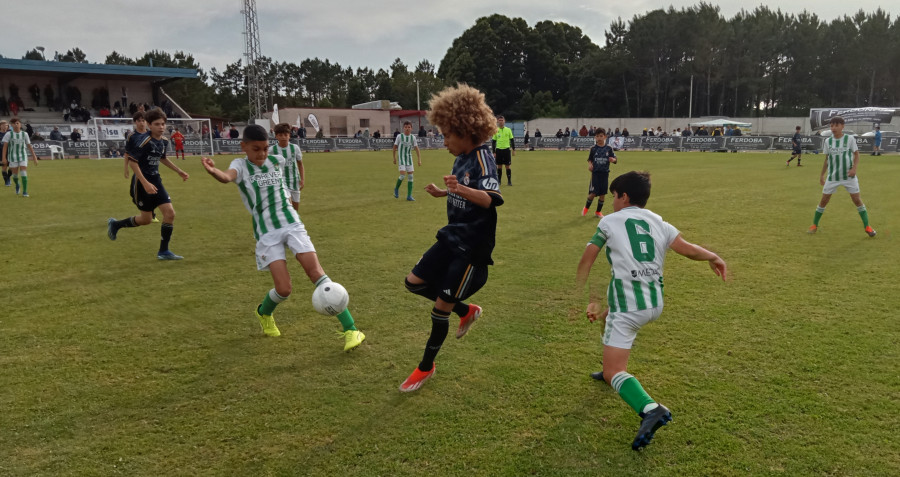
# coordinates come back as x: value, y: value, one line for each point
x: 717, y: 123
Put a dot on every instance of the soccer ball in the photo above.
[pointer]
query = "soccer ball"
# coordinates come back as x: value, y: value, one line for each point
x: 330, y: 298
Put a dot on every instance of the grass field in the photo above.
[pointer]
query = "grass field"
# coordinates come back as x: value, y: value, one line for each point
x: 112, y: 363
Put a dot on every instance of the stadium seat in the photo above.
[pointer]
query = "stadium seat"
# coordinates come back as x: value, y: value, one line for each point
x: 56, y: 151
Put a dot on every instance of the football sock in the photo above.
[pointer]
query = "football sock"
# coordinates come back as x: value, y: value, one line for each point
x: 863, y: 214
x: 24, y: 176
x: 15, y: 179
x: 599, y: 205
x: 460, y: 309
x: 632, y: 393
x: 409, y: 185
x: 129, y: 222
x: 322, y: 279
x: 166, y: 235
x: 269, y: 303
x: 791, y: 159
x: 399, y: 181
x: 587, y: 205
x: 422, y: 289
x: 509, y: 175
x: 440, y: 325
x: 346, y: 320
x: 819, y: 212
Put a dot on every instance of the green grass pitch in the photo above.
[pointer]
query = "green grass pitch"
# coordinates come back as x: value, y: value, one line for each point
x: 112, y: 363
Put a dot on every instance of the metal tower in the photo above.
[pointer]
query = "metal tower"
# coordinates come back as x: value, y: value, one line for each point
x: 255, y: 85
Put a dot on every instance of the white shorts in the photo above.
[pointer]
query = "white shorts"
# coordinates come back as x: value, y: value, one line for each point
x: 295, y: 195
x: 851, y: 184
x: 22, y: 163
x: 404, y: 168
x: 270, y: 247
x: 621, y: 328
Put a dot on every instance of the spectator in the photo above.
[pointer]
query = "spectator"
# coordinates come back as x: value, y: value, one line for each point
x: 591, y: 131
x: 659, y: 131
x: 567, y: 133
x: 422, y: 132
x: 650, y: 132
x: 736, y: 131
x: 396, y: 133
x: 537, y: 132
x: 644, y: 133
x: 14, y: 107
x: 617, y: 133
x: 28, y: 129
x: 584, y: 131
x: 233, y: 133
x: 55, y: 135
x: 216, y: 134
x: 320, y: 134
x: 625, y: 132
x: 301, y: 132
x: 377, y: 134
x: 365, y: 134
x: 686, y: 132
x: 559, y: 132
x: 717, y: 132
x: 75, y: 136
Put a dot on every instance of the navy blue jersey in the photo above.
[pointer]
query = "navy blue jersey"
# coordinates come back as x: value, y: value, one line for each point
x: 599, y: 157
x: 471, y: 230
x: 796, y: 140
x: 147, y: 152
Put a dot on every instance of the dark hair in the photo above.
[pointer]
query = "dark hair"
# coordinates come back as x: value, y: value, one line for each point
x: 15, y: 120
x: 500, y: 116
x: 798, y: 128
x: 836, y: 120
x: 599, y: 131
x: 137, y: 116
x: 282, y: 128
x: 407, y: 122
x: 635, y: 184
x: 155, y: 114
x: 255, y: 132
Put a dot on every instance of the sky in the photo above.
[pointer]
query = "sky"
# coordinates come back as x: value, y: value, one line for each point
x: 349, y: 32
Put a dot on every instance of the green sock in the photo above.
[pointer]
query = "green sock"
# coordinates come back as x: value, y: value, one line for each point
x: 16, y: 179
x: 863, y: 214
x: 269, y: 303
x: 819, y: 212
x: 631, y: 391
x: 409, y: 186
x: 399, y: 181
x: 346, y: 320
x: 25, y: 186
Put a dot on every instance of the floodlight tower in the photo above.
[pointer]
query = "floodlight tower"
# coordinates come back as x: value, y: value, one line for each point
x: 255, y: 84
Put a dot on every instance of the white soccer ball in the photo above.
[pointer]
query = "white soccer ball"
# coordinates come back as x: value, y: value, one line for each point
x: 330, y: 298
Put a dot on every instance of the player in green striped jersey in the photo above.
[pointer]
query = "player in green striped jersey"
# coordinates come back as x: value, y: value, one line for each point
x: 276, y: 224
x: 294, y: 175
x: 839, y: 169
x: 16, y: 145
x: 636, y: 242
x: 404, y: 144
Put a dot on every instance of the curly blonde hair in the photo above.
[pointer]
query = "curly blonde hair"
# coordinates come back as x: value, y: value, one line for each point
x: 462, y: 111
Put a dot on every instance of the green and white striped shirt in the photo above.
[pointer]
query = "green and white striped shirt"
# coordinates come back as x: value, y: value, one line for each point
x: 264, y: 195
x: 405, y: 145
x: 16, y: 149
x: 839, y: 154
x: 292, y: 154
x: 636, y: 242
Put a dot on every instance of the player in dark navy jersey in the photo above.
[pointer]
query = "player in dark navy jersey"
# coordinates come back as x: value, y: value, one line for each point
x: 145, y: 152
x: 796, y: 146
x: 455, y: 267
x: 598, y: 163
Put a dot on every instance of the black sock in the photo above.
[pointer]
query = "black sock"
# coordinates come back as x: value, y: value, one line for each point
x: 599, y: 205
x: 440, y: 325
x: 166, y: 234
x: 129, y: 222
x: 461, y: 309
x: 587, y: 205
x: 509, y: 175
x: 422, y: 289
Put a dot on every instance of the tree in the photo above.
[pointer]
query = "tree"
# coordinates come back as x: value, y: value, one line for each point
x: 75, y: 55
x: 115, y: 58
x: 33, y: 55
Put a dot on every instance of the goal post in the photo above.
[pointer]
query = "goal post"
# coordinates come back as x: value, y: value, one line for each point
x: 108, y: 136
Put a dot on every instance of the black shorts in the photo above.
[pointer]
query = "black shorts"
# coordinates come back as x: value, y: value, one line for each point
x: 503, y: 156
x: 599, y: 184
x: 147, y: 202
x: 455, y: 278
x: 797, y: 151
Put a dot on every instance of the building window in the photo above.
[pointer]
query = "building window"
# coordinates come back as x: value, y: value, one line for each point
x: 363, y: 123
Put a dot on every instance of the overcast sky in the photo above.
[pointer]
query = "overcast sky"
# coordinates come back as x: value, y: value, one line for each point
x: 349, y: 32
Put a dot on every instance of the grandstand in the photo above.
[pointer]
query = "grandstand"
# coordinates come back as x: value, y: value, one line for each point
x: 91, y: 86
